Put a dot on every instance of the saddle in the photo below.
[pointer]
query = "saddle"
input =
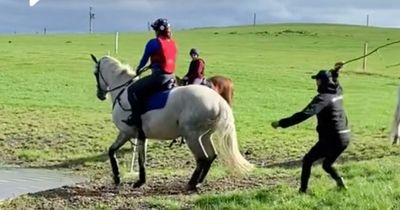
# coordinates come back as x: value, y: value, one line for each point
x: 158, y: 100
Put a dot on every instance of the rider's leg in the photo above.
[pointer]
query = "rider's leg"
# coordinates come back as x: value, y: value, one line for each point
x: 136, y: 92
x: 140, y: 90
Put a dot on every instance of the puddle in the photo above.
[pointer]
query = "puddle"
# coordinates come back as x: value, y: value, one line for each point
x: 19, y: 181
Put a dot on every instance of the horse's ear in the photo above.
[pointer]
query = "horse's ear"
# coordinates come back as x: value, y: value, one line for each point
x: 94, y: 58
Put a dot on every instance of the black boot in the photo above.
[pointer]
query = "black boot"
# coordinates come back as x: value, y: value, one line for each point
x: 302, y: 190
x: 134, y: 118
x: 340, y: 183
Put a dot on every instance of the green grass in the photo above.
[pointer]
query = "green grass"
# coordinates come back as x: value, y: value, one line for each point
x: 372, y: 184
x: 50, y: 117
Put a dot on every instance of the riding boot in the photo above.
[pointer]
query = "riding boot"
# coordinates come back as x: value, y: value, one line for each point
x: 302, y: 190
x: 134, y: 119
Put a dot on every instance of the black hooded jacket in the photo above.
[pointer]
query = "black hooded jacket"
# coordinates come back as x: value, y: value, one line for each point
x: 328, y: 106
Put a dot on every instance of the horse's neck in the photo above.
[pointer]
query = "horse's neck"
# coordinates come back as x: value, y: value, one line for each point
x: 117, y: 81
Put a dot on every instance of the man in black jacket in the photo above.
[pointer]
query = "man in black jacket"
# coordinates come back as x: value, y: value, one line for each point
x: 332, y: 128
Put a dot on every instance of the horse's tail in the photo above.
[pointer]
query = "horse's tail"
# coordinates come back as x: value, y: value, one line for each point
x: 226, y: 144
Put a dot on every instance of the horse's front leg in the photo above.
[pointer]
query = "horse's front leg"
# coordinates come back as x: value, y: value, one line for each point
x: 396, y: 134
x: 395, y: 139
x: 121, y: 140
x: 141, y: 147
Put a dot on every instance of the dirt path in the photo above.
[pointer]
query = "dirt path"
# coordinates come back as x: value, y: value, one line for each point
x: 126, y: 197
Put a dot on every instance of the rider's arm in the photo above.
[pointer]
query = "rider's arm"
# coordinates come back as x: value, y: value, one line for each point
x: 314, y: 107
x: 151, y: 47
x: 199, y: 69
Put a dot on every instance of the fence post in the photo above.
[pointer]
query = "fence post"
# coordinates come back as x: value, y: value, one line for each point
x: 116, y: 42
x: 365, y: 58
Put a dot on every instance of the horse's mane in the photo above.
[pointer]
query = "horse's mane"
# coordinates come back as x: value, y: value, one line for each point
x: 121, y: 69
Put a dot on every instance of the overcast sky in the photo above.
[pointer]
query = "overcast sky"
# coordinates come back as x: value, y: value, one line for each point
x: 133, y: 15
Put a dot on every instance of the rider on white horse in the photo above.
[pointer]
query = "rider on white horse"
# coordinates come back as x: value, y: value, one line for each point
x: 194, y: 112
x: 162, y: 53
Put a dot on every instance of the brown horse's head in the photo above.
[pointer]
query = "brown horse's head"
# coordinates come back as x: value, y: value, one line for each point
x: 180, y: 81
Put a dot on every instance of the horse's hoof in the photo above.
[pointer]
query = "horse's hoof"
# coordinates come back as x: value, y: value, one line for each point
x: 138, y: 184
x: 117, y: 180
x: 191, y: 188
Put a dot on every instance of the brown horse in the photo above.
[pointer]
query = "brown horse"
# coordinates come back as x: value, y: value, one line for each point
x: 222, y: 85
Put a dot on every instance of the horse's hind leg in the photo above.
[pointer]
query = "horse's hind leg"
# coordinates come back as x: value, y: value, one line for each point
x: 195, y: 176
x: 204, y: 153
x: 141, y: 146
x: 121, y: 140
x: 209, y: 147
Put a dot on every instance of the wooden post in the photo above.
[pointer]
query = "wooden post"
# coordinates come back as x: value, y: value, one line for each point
x: 91, y: 18
x: 365, y: 58
x: 116, y: 42
x: 254, y: 19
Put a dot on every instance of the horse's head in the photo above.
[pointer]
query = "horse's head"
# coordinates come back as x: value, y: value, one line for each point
x: 111, y: 75
x: 101, y: 83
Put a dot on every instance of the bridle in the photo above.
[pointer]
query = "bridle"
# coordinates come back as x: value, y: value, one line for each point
x: 99, y: 76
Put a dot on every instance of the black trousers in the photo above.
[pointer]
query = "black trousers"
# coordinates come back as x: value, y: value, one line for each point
x: 327, y: 148
x: 143, y: 88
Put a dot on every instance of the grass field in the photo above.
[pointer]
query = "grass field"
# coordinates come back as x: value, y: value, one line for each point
x: 50, y: 118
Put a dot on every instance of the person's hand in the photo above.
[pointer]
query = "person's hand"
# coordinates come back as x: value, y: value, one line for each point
x: 338, y: 65
x: 275, y: 124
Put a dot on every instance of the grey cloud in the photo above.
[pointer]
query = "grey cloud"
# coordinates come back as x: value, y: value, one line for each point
x: 133, y: 15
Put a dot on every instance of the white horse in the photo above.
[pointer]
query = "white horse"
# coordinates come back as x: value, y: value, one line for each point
x: 194, y: 112
x: 396, y: 122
